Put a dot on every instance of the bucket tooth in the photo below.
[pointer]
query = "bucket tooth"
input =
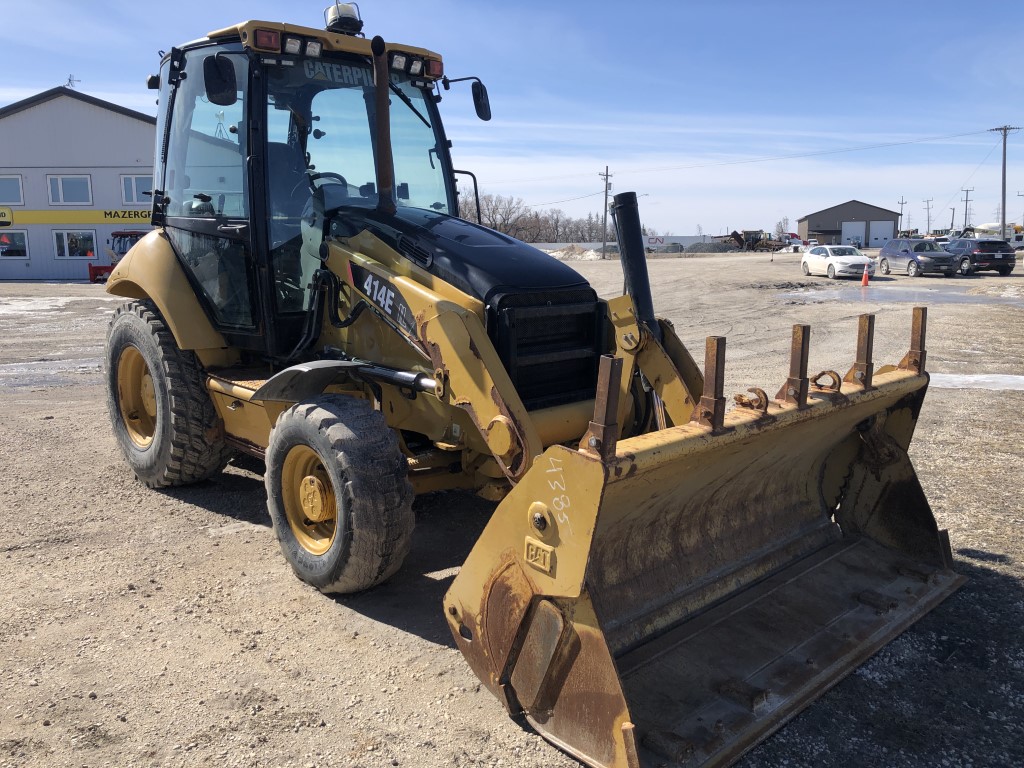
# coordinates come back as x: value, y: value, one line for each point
x: 748, y: 696
x: 668, y: 745
x: 881, y: 603
x: 915, y: 358
x: 710, y: 411
x: 794, y: 391
x: 863, y: 369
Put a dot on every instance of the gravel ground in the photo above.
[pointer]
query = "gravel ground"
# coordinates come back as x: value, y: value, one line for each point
x: 143, y: 628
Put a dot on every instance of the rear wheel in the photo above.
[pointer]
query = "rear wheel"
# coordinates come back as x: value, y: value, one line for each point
x: 1004, y: 271
x: 913, y: 268
x: 338, y: 494
x: 965, y: 267
x: 163, y: 418
x: 831, y: 271
x: 883, y: 266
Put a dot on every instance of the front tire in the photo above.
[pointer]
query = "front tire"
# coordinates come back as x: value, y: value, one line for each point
x: 803, y: 266
x: 883, y: 266
x: 338, y: 494
x: 831, y: 271
x: 913, y: 268
x: 163, y: 418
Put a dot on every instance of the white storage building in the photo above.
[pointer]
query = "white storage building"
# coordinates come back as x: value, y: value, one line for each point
x: 73, y: 172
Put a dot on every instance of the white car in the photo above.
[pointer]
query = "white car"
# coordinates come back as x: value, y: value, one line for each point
x: 836, y: 261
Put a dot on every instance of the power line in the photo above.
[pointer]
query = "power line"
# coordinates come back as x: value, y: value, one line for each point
x: 567, y: 200
x: 767, y: 159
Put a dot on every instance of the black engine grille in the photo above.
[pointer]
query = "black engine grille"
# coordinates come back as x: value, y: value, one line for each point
x: 550, y: 344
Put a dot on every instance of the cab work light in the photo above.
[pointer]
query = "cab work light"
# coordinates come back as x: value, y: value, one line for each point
x: 267, y: 40
x: 398, y: 61
x: 314, y: 48
x: 416, y: 67
x: 292, y: 45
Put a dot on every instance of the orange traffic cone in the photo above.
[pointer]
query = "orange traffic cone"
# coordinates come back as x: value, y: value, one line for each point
x: 864, y: 277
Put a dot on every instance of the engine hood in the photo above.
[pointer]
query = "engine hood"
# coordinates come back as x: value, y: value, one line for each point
x: 474, y: 259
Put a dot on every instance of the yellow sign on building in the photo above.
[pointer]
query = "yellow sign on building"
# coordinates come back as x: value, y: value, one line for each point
x: 6, y: 216
x: 79, y: 216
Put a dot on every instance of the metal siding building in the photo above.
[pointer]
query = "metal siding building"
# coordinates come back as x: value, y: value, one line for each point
x: 848, y: 222
x: 72, y: 170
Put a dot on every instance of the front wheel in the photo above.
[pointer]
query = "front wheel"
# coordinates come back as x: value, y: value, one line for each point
x: 965, y: 267
x: 831, y: 271
x: 803, y: 266
x: 338, y: 494
x: 883, y: 266
x: 163, y: 418
x: 913, y: 268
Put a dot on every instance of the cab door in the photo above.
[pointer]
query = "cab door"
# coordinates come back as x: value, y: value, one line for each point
x: 203, y: 196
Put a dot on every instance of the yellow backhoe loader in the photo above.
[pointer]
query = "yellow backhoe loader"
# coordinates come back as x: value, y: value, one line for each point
x: 663, y: 582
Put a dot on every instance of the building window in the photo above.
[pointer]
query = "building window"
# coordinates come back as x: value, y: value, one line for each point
x: 73, y: 244
x: 10, y: 191
x: 134, y: 189
x: 13, y: 244
x: 69, y: 190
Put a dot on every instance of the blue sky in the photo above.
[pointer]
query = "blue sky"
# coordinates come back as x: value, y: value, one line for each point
x: 677, y: 98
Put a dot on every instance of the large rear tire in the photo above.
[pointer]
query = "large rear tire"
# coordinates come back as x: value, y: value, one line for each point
x: 163, y: 418
x: 338, y: 494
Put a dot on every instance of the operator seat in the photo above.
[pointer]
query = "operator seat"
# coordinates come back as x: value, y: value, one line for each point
x: 289, y: 189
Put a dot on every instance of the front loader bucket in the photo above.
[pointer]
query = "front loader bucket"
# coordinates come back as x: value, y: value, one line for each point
x: 675, y: 598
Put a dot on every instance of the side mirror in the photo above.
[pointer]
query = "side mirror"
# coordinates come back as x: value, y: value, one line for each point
x: 480, y: 100
x: 219, y: 79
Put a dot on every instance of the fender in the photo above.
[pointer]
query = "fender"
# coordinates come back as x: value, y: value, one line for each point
x: 150, y: 270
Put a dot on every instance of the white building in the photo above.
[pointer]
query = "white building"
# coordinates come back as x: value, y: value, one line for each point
x: 73, y: 172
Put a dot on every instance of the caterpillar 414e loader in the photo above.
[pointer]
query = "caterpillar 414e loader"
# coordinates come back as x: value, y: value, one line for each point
x: 663, y: 582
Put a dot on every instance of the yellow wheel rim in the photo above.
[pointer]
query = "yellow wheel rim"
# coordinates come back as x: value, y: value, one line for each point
x: 136, y: 397
x: 309, y: 502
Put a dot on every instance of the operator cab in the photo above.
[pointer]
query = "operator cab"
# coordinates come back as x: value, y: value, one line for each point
x: 262, y: 131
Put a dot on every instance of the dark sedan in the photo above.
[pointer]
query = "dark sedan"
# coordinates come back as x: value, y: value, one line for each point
x: 974, y: 255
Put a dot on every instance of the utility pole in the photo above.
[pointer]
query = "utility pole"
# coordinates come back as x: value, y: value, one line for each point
x: 1021, y: 194
x: 966, y: 200
x: 952, y: 216
x: 928, y: 207
x: 902, y: 203
x: 604, y: 227
x: 1004, y: 129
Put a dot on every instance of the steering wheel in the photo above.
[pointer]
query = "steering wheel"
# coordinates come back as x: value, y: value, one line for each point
x: 310, y: 182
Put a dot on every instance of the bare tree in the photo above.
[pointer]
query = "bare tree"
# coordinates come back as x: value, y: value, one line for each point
x: 781, y: 227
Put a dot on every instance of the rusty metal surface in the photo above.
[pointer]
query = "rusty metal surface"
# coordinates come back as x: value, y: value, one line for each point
x: 710, y: 412
x: 603, y: 433
x: 915, y: 358
x: 712, y: 688
x: 795, y: 389
x: 863, y: 369
x: 681, y: 599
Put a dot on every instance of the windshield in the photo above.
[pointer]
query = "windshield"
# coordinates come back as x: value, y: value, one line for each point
x: 320, y: 117
x: 926, y: 247
x: 320, y: 141
x: 845, y: 252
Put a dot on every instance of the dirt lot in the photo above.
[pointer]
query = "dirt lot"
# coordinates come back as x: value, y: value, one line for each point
x: 143, y: 628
